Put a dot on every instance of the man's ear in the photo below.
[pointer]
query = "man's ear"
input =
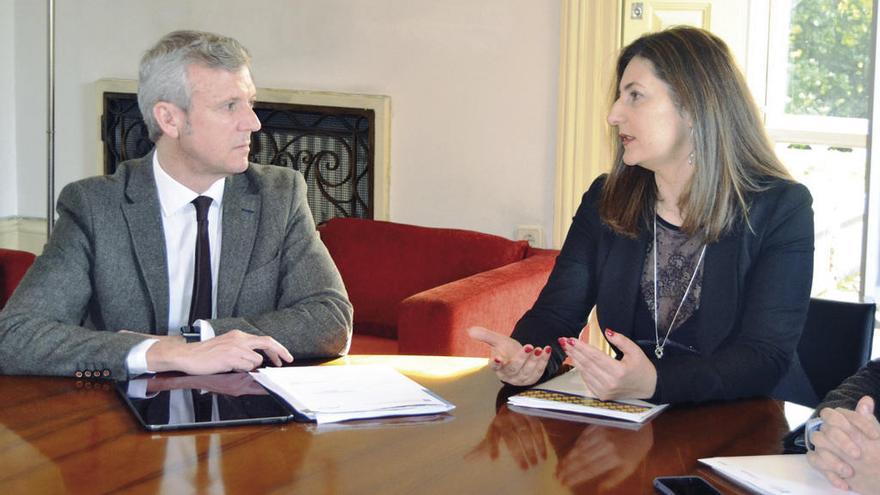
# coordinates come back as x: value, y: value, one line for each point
x: 170, y: 117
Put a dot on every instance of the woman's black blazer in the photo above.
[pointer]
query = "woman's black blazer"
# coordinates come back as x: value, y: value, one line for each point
x: 754, y: 299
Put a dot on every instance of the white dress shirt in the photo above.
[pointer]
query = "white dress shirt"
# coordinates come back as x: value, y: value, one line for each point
x: 179, y: 226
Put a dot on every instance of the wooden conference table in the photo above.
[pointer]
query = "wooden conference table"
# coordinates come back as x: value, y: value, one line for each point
x: 62, y: 435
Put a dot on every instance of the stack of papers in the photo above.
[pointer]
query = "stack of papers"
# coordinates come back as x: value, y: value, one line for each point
x: 384, y: 423
x: 567, y: 392
x: 773, y: 474
x: 328, y: 394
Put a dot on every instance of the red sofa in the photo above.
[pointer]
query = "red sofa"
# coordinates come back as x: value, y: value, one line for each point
x: 416, y: 290
x: 13, y: 265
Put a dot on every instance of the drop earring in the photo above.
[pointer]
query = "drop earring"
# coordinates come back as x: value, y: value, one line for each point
x: 691, y: 154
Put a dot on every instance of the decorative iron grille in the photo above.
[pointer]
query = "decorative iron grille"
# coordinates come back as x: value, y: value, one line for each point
x: 332, y: 147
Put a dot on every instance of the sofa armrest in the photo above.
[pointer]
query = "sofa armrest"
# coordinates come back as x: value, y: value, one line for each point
x: 13, y: 265
x: 436, y: 321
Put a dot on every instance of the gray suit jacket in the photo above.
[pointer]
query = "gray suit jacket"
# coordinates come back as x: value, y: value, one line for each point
x: 105, y: 269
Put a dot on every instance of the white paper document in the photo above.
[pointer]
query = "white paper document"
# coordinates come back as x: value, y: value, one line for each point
x: 567, y: 392
x: 328, y: 394
x: 383, y: 423
x: 774, y: 474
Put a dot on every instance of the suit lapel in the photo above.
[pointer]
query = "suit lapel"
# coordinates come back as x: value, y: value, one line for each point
x: 241, y: 214
x: 143, y: 217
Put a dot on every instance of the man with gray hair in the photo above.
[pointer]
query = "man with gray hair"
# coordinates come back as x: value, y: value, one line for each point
x: 190, y: 259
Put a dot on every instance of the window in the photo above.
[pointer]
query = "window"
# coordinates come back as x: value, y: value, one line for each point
x: 817, y: 109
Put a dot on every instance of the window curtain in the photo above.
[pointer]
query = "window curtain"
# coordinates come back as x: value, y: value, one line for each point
x: 589, y: 44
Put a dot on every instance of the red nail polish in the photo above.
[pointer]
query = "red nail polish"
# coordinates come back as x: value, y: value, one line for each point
x: 538, y: 352
x: 609, y: 332
x: 497, y: 360
x: 570, y: 341
x: 547, y: 349
x: 562, y: 341
x: 528, y: 348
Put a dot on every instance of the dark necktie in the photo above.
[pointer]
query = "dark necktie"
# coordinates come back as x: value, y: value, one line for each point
x: 203, y: 405
x: 200, y: 307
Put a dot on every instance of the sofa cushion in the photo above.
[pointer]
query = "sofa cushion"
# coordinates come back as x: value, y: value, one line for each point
x: 383, y: 263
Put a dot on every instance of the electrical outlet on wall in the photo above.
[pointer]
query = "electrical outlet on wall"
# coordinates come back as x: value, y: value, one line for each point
x: 534, y: 234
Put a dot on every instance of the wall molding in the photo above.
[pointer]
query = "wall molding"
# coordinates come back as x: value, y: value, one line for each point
x: 23, y: 233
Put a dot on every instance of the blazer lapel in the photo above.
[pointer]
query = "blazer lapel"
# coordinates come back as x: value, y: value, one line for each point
x: 620, y: 278
x: 144, y: 219
x: 622, y: 274
x: 241, y: 214
x: 719, y: 294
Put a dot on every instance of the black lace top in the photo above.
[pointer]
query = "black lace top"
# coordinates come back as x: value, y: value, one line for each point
x: 677, y: 257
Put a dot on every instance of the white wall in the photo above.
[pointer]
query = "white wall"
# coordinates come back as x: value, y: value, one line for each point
x: 30, y: 119
x: 473, y: 88
x: 7, y: 116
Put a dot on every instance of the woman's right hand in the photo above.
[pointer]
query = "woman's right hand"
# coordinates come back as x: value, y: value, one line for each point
x: 513, y: 362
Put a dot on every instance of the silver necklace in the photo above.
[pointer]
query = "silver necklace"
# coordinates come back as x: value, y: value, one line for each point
x: 658, y: 348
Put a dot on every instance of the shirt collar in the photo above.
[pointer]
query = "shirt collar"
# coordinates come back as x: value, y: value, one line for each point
x: 173, y: 195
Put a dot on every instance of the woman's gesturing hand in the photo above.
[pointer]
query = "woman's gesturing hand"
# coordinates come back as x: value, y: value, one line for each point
x: 513, y: 362
x: 633, y: 377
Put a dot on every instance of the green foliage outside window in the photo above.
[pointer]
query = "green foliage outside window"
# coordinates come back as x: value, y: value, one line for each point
x: 829, y: 58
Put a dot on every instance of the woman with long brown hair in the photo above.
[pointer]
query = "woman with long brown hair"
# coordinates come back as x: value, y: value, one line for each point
x: 696, y: 249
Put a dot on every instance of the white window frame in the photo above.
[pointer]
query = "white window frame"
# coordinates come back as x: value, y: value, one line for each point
x: 767, y: 76
x: 783, y: 127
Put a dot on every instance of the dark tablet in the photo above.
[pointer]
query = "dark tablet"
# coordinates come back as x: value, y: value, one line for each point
x: 172, y: 402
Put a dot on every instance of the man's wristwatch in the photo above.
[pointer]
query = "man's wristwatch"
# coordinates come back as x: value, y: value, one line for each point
x: 191, y: 333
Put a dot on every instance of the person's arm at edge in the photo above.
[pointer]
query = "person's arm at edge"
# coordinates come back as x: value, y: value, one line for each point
x: 40, y: 331
x: 864, y: 382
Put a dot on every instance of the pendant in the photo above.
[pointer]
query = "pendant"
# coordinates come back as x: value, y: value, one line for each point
x: 658, y: 351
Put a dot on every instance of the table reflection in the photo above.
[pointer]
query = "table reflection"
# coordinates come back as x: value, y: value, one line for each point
x: 82, y: 437
x: 594, y: 458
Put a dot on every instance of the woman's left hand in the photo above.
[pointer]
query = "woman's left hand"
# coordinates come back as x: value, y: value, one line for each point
x: 633, y: 377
